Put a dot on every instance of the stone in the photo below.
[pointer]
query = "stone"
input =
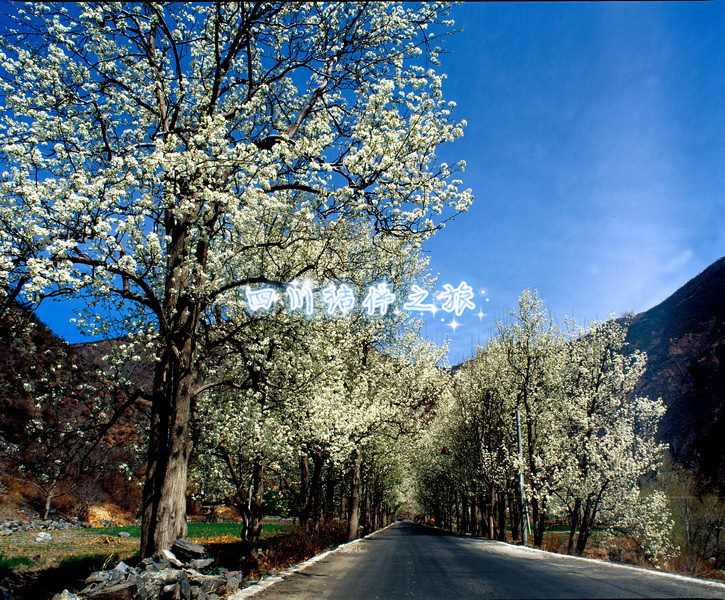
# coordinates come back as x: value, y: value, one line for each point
x: 6, y: 531
x: 43, y: 536
x: 168, y: 557
x: 66, y: 595
x: 124, y: 534
x: 185, y: 586
x: 100, y: 577
x: 201, y: 563
x: 211, y: 584
x: 122, y: 567
x: 170, y: 592
x: 234, y: 580
x: 121, y: 591
x: 187, y: 550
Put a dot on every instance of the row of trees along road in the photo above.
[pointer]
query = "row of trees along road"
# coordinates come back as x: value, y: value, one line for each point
x: 585, y: 442
x: 158, y: 159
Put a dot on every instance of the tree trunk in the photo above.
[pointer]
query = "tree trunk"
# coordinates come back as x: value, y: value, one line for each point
x: 170, y: 444
x: 573, y: 524
x: 315, y: 495
x: 501, y: 528
x: 515, y: 512
x: 365, y: 516
x: 354, y: 518
x: 465, y: 526
x: 254, y: 513
x: 539, y: 521
x: 304, y: 491
x: 329, y: 510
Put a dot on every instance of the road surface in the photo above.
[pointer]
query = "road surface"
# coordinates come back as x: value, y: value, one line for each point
x: 408, y: 561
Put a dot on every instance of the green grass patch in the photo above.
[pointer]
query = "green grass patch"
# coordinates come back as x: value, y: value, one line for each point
x: 201, y: 530
x: 9, y: 564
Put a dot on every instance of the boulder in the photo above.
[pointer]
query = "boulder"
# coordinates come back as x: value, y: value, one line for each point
x: 43, y: 536
x: 187, y: 550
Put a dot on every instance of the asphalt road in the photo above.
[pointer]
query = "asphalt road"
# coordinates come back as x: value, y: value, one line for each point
x: 408, y: 561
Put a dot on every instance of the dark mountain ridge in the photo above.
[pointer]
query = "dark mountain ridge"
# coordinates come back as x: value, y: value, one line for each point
x: 684, y: 338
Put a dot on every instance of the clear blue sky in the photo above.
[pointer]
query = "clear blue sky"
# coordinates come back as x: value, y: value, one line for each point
x: 596, y: 152
x: 595, y: 148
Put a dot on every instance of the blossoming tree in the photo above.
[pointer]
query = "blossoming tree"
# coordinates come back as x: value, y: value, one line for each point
x: 157, y: 158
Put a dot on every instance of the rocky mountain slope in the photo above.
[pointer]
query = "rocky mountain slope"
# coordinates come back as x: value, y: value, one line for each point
x: 684, y: 338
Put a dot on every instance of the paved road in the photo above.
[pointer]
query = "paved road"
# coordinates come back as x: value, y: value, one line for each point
x: 408, y: 561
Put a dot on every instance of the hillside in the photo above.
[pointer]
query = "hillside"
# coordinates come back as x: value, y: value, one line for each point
x: 54, y: 450
x: 684, y: 337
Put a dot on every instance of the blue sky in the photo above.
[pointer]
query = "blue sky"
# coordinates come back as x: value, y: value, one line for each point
x: 595, y: 149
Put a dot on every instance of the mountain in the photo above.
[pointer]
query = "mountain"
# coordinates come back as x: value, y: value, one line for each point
x: 684, y: 338
x: 46, y: 385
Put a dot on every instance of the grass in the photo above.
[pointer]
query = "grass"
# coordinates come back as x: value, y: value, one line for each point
x: 41, y: 569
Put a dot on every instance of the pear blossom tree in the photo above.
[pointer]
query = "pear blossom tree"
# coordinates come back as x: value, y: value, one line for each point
x: 531, y: 343
x: 609, y: 433
x: 159, y: 158
x: 587, y: 442
x: 334, y: 396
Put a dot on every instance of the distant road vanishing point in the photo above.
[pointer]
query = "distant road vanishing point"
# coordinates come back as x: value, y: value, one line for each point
x: 409, y: 561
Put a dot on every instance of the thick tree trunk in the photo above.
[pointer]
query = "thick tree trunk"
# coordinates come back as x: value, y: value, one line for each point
x: 354, y: 519
x: 170, y: 444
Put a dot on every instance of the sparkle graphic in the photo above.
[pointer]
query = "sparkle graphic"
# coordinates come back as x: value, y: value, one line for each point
x: 379, y: 297
x: 456, y: 300
x: 339, y: 298
x: 261, y: 299
x: 453, y: 324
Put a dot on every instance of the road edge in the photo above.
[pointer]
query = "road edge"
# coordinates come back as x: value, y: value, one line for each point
x: 654, y: 571
x: 269, y: 581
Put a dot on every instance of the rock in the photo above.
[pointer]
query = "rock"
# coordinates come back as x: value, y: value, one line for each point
x: 122, y: 567
x: 124, y: 534
x: 121, y: 591
x: 170, y: 592
x: 211, y: 584
x: 168, y: 557
x: 43, y: 536
x: 99, y: 577
x: 185, y: 586
x: 201, y: 563
x: 66, y: 595
x: 186, y: 550
x: 6, y: 531
x: 234, y: 580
